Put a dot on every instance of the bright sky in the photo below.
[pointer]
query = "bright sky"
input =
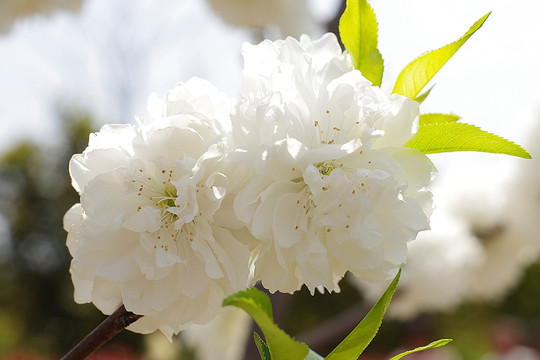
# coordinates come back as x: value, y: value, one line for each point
x: 492, y: 80
x: 113, y: 54
x: 108, y: 59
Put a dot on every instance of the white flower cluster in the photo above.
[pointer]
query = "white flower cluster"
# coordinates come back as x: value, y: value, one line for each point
x: 333, y: 187
x: 304, y: 178
x: 11, y: 10
x: 148, y: 232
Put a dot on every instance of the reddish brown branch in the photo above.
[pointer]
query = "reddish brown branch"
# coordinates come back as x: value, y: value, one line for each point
x: 112, y: 325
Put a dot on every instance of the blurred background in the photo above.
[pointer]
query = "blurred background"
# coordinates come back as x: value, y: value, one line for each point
x: 69, y: 66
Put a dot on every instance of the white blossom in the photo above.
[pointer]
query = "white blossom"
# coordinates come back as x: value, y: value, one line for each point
x: 148, y: 232
x: 223, y: 338
x: 481, y: 200
x: 292, y: 18
x: 481, y: 239
x: 504, y: 217
x: 435, y: 276
x: 11, y: 10
x: 333, y: 187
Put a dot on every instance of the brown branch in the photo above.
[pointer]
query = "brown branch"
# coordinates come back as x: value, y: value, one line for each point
x: 112, y: 325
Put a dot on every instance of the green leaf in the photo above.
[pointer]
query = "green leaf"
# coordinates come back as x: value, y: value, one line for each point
x: 432, y: 345
x: 420, y: 98
x: 355, y: 343
x: 262, y: 347
x: 436, y: 118
x: 257, y: 305
x: 415, y: 76
x: 255, y: 298
x: 358, y: 31
x: 454, y: 136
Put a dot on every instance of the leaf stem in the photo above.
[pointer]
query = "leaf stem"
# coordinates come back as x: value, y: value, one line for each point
x: 112, y: 325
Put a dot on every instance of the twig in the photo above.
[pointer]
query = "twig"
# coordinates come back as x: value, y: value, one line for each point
x: 112, y: 325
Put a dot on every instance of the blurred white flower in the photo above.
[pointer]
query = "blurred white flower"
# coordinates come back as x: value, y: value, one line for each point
x: 292, y: 18
x: 505, y: 220
x: 223, y: 338
x: 485, y: 202
x: 436, y: 274
x: 158, y: 347
x: 147, y: 233
x: 11, y: 10
x: 333, y: 189
x: 481, y: 239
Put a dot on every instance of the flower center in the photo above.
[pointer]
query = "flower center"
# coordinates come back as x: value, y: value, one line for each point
x: 326, y: 167
x: 168, y: 199
x: 158, y: 190
x: 331, y: 193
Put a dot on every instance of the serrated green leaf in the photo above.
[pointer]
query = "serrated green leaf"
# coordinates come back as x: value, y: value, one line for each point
x: 432, y: 345
x: 420, y: 98
x: 454, y: 136
x: 257, y: 305
x: 262, y: 347
x: 358, y: 30
x: 355, y: 343
x: 415, y: 76
x: 436, y: 118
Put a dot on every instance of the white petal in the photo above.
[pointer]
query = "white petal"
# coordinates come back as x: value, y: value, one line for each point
x: 146, y: 219
x: 72, y: 217
x: 286, y: 220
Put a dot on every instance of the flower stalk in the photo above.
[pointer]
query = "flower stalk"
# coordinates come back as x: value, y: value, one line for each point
x: 112, y: 325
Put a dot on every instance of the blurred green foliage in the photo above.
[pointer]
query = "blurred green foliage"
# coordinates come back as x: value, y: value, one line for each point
x: 37, y: 310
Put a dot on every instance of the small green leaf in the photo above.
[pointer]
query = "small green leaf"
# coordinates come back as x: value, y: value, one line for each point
x: 355, y: 343
x: 454, y: 136
x: 415, y: 76
x: 257, y: 305
x: 262, y: 347
x: 432, y: 345
x: 436, y: 118
x: 255, y: 298
x: 358, y: 31
x: 420, y: 98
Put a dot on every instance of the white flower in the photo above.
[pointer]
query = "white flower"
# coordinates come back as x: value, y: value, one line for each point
x: 334, y: 188
x: 499, y: 212
x: 13, y: 9
x: 223, y: 338
x: 481, y: 239
x: 436, y: 274
x: 485, y: 203
x: 147, y: 233
x: 291, y: 17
